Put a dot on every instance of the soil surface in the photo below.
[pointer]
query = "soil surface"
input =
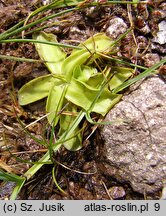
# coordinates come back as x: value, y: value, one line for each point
x: 76, y: 172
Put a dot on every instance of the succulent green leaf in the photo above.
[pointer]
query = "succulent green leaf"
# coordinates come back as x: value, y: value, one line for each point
x: 75, y: 142
x: 55, y: 101
x: 121, y: 74
x: 53, y: 54
x: 73, y: 61
x: 98, y: 43
x: 35, y: 90
x: 95, y: 81
x: 83, y: 97
x: 83, y: 73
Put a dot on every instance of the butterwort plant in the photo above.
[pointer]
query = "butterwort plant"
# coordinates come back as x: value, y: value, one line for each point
x: 79, y: 81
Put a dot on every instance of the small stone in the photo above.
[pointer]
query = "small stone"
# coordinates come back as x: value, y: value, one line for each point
x: 159, y: 13
x: 117, y: 192
x: 6, y: 190
x: 75, y: 33
x: 117, y: 26
x: 143, y: 10
x: 142, y: 25
x: 158, y: 48
x: 92, y: 12
x: 163, y: 6
x: 145, y: 30
x: 150, y: 59
x: 142, y: 42
x: 45, y: 2
x: 161, y: 35
x: 162, y: 70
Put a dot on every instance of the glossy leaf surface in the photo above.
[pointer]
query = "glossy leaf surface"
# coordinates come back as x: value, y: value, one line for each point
x: 34, y: 90
x: 75, y: 141
x: 98, y: 43
x: 80, y: 95
x: 53, y: 54
x: 55, y: 101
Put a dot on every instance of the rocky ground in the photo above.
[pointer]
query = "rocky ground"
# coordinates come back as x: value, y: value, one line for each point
x: 125, y: 161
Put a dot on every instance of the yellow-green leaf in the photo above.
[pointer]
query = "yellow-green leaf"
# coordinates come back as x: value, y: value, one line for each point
x: 121, y: 74
x: 35, y: 90
x: 90, y: 50
x: 55, y: 101
x: 75, y: 141
x: 53, y: 54
x: 81, y: 96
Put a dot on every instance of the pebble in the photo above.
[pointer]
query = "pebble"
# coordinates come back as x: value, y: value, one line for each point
x: 45, y: 2
x: 145, y: 30
x: 142, y: 42
x: 158, y: 48
x: 142, y: 25
x: 150, y: 59
x: 116, y: 27
x: 161, y: 34
x: 116, y: 192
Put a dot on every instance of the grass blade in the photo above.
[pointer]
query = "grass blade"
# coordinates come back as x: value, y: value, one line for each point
x: 144, y: 74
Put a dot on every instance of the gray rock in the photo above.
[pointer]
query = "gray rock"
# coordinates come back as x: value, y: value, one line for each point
x: 135, y: 152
